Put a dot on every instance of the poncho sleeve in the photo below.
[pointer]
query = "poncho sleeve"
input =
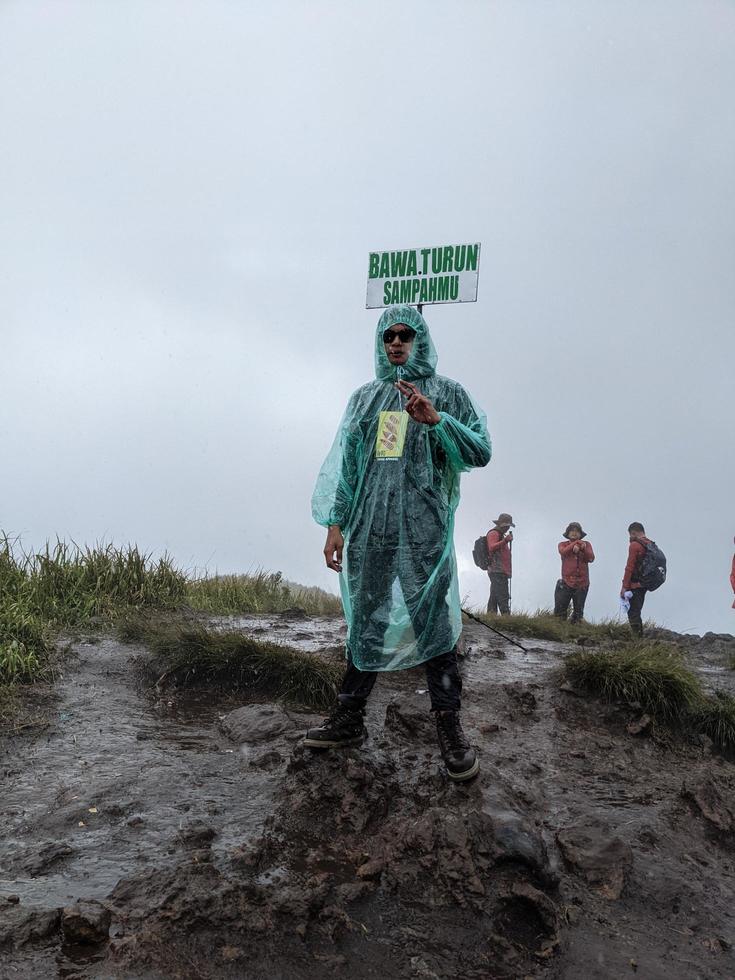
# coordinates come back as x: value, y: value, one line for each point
x: 462, y: 432
x: 337, y: 483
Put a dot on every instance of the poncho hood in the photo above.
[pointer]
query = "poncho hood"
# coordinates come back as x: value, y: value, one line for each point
x: 421, y: 361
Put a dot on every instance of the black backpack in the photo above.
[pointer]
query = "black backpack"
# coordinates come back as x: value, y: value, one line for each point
x: 652, y: 567
x: 480, y: 554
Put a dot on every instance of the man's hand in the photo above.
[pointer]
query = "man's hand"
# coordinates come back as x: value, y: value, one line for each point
x: 333, y: 548
x: 576, y: 549
x: 418, y: 406
x: 509, y: 537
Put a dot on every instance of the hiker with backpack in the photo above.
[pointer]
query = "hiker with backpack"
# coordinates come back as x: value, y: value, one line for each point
x: 732, y: 576
x: 574, y: 584
x: 387, y: 494
x: 645, y: 571
x: 499, y: 541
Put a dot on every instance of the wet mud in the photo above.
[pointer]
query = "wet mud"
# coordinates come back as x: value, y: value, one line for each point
x: 151, y: 833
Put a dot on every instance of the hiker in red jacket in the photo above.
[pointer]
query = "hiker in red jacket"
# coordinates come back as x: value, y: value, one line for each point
x: 732, y: 576
x: 636, y: 551
x: 500, y: 569
x: 574, y: 583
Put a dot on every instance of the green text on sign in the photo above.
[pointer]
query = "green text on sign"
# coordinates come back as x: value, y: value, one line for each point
x: 439, y: 274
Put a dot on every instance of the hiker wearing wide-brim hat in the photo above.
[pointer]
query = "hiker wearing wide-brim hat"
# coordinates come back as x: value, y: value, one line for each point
x: 574, y: 584
x: 574, y: 526
x: 504, y: 520
x: 500, y: 564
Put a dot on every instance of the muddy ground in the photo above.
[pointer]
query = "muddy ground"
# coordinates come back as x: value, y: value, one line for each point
x: 151, y: 833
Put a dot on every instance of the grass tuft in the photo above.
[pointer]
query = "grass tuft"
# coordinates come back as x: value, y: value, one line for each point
x: 543, y: 625
x: 260, y: 592
x: 194, y: 655
x: 64, y: 586
x: 652, y: 674
x: 715, y: 716
x: 655, y: 676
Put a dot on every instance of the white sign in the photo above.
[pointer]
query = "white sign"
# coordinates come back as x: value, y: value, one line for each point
x: 441, y: 274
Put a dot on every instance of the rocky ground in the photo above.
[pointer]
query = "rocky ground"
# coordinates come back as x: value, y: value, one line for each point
x: 150, y: 833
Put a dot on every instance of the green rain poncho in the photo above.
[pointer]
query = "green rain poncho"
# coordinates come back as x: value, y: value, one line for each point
x: 399, y: 575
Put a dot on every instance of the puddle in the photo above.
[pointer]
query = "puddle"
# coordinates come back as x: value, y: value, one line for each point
x: 113, y: 779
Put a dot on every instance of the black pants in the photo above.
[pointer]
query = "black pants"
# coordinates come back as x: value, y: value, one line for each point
x: 563, y: 595
x: 499, y: 600
x: 634, y: 613
x: 442, y: 675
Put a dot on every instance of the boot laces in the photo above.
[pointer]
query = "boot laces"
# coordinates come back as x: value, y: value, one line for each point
x: 341, y: 714
x: 450, y: 729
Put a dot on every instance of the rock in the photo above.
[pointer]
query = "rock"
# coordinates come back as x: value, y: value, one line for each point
x: 19, y: 924
x: 267, y: 760
x: 523, y: 699
x: 196, y: 833
x: 410, y: 716
x: 13, y: 899
x: 256, y: 723
x: 296, y: 612
x: 44, y: 857
x: 706, y: 797
x: 489, y: 728
x: 704, y: 742
x: 515, y: 841
x: 135, y: 821
x: 715, y: 637
x: 640, y: 725
x: 86, y: 922
x: 601, y: 858
x: 569, y: 688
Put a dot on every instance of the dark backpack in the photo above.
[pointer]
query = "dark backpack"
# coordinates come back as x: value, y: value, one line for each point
x: 652, y: 567
x: 480, y: 554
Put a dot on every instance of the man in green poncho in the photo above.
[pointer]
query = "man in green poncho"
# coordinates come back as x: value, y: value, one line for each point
x: 387, y: 493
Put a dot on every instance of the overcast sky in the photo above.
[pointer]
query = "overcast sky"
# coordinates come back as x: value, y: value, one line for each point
x: 188, y: 195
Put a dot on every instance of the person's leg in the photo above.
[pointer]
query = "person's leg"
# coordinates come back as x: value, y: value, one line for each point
x: 445, y: 690
x: 444, y: 682
x: 634, y: 613
x: 579, y: 597
x: 562, y: 595
x: 356, y: 685
x: 345, y: 723
x: 492, y: 604
x: 503, y: 594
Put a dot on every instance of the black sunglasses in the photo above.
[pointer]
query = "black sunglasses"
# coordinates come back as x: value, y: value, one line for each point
x: 403, y: 335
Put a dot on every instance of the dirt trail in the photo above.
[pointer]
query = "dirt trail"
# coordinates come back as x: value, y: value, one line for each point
x: 215, y: 846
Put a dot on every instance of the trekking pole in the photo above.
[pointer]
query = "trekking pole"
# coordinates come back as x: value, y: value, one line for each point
x: 510, y: 577
x: 493, y: 630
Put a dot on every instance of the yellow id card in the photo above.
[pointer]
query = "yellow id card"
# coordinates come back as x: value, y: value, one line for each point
x: 391, y: 436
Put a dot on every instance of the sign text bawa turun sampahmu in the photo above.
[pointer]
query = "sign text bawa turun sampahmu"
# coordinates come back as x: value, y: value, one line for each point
x: 443, y: 274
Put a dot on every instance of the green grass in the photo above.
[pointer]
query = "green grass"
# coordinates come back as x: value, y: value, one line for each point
x: 261, y: 592
x: 194, y: 655
x: 654, y: 675
x: 66, y: 586
x: 715, y: 717
x: 543, y: 625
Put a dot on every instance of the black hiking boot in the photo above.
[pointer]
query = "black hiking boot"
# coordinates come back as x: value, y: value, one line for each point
x: 344, y: 726
x: 459, y: 757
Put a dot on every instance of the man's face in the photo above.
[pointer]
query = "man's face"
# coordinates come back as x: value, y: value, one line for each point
x: 398, y: 341
x: 574, y: 535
